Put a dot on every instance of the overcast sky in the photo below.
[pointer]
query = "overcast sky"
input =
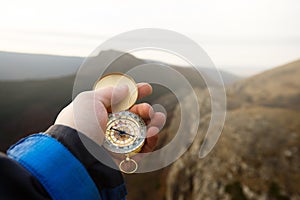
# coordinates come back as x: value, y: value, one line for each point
x: 244, y: 37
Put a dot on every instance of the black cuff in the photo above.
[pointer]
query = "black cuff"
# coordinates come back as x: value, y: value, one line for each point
x: 103, y: 176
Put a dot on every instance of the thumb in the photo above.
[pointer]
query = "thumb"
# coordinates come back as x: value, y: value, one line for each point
x: 110, y: 96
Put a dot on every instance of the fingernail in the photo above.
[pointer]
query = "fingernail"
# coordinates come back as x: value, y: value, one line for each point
x: 151, y: 113
x: 154, y: 130
x: 143, y: 84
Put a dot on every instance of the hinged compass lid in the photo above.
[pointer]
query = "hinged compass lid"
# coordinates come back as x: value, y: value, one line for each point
x: 115, y: 79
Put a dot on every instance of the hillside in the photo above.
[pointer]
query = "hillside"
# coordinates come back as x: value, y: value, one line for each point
x: 257, y: 156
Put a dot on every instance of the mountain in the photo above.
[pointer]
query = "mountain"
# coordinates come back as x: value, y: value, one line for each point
x: 257, y: 155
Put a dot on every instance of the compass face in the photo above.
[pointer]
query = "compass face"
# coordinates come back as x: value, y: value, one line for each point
x: 125, y: 132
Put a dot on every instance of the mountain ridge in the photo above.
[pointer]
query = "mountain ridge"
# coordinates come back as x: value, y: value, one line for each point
x: 25, y: 66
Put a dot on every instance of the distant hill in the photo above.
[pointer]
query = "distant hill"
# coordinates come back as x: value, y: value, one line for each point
x: 21, y: 66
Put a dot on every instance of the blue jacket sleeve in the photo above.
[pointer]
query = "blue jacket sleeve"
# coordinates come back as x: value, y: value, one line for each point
x: 62, y: 168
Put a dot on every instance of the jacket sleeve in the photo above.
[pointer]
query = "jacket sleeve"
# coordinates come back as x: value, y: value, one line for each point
x: 56, y: 165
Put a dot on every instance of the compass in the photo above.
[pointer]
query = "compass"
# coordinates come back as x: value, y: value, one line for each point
x: 125, y: 131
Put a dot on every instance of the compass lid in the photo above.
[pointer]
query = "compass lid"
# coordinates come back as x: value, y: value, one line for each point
x: 115, y: 79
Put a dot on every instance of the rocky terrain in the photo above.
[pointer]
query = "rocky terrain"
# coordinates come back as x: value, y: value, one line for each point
x: 257, y: 155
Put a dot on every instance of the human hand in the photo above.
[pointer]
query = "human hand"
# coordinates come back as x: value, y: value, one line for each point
x: 88, y: 113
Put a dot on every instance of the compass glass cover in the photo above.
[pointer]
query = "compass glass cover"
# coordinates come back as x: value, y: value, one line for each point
x: 125, y: 132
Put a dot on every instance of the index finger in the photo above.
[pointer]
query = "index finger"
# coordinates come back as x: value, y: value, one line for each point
x: 144, y: 89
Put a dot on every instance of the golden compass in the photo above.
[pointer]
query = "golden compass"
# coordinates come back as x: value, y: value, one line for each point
x: 125, y: 131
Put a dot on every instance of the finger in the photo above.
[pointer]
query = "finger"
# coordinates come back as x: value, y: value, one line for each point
x: 151, y: 141
x: 111, y: 95
x: 158, y: 120
x: 144, y: 89
x: 144, y: 110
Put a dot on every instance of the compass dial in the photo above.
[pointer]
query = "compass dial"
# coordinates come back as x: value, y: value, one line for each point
x: 125, y: 132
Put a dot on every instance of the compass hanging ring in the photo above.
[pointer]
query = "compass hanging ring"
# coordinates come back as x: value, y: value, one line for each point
x: 128, y: 166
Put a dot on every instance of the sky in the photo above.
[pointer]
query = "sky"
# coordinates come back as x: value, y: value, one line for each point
x: 242, y: 37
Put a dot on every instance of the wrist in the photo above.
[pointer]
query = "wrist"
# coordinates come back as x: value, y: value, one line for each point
x: 103, y: 175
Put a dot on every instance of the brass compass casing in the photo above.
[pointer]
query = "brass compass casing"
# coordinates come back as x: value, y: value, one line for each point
x: 125, y: 131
